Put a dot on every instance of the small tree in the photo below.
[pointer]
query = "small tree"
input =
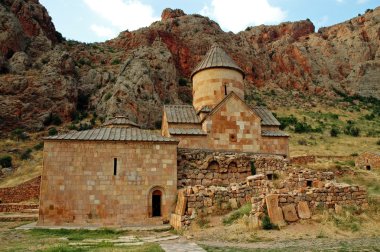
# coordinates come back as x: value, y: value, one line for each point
x: 26, y: 154
x: 19, y: 134
x: 266, y: 223
x: 334, y: 132
x: 53, y: 131
x: 6, y: 161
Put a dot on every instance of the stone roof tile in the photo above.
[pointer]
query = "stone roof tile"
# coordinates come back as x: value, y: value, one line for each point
x: 266, y: 116
x: 120, y: 121
x: 181, y: 114
x: 216, y: 57
x: 113, y: 134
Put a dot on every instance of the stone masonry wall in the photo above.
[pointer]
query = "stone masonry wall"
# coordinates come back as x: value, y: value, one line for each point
x: 79, y: 186
x: 233, y: 126
x: 23, y: 192
x: 275, y: 145
x: 205, y: 167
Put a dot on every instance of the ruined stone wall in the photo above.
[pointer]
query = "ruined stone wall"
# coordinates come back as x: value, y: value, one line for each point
x: 327, y: 196
x: 202, y: 200
x: 302, y: 160
x: 206, y: 167
x: 368, y: 160
x: 275, y: 145
x: 79, y: 186
x: 23, y: 192
x: 302, y: 178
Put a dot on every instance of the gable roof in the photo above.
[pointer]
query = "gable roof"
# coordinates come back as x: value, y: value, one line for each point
x: 216, y: 57
x: 120, y: 121
x: 181, y: 114
x: 113, y: 134
x: 266, y: 115
x: 225, y: 99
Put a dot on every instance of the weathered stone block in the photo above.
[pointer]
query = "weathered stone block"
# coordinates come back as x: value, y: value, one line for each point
x: 274, y: 211
x: 303, y: 210
x: 290, y: 213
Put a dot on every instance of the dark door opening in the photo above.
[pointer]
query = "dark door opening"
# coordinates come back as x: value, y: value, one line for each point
x: 309, y: 183
x: 156, y: 203
x: 368, y: 167
x: 270, y: 176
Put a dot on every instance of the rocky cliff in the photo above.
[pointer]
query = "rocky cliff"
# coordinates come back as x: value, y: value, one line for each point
x: 139, y: 71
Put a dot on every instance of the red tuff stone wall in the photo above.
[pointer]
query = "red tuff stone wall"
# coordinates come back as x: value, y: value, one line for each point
x: 275, y: 145
x: 233, y: 126
x: 79, y: 186
x: 23, y: 192
x: 302, y: 160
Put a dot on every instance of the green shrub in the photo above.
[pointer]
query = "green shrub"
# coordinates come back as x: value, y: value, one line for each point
x: 182, y: 82
x: 266, y: 223
x: 26, y: 154
x: 237, y: 214
x: 52, y: 131
x: 6, y: 161
x: 52, y: 119
x: 334, y: 132
x: 116, y: 62
x: 378, y: 142
x: 84, y: 126
x: 39, y: 146
x: 107, y: 96
x: 72, y: 127
x: 253, y: 168
x: 19, y: 134
x: 302, y: 127
x: 286, y: 121
x: 351, y: 129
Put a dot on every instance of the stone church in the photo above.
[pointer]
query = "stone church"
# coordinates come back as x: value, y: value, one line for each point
x: 120, y: 174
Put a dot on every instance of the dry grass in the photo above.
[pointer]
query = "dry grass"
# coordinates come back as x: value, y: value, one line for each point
x: 24, y: 170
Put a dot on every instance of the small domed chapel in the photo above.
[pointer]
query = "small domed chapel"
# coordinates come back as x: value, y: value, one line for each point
x: 122, y: 175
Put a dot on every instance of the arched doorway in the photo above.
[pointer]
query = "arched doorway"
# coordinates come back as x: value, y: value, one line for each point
x: 156, y: 203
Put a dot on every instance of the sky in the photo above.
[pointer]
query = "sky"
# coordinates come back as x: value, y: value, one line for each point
x: 99, y: 20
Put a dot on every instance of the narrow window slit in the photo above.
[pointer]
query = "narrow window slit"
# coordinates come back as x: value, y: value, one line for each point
x: 114, y: 166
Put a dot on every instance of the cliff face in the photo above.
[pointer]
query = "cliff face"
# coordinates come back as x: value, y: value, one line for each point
x: 139, y: 71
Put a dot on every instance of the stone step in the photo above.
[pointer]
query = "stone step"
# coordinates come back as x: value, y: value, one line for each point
x: 31, y: 210
x: 17, y: 207
x: 18, y: 217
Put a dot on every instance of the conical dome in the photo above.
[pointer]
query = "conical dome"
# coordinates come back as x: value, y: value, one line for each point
x: 216, y: 57
x: 120, y: 121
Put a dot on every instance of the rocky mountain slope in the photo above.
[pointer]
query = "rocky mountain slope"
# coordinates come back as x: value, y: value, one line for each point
x: 139, y: 71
